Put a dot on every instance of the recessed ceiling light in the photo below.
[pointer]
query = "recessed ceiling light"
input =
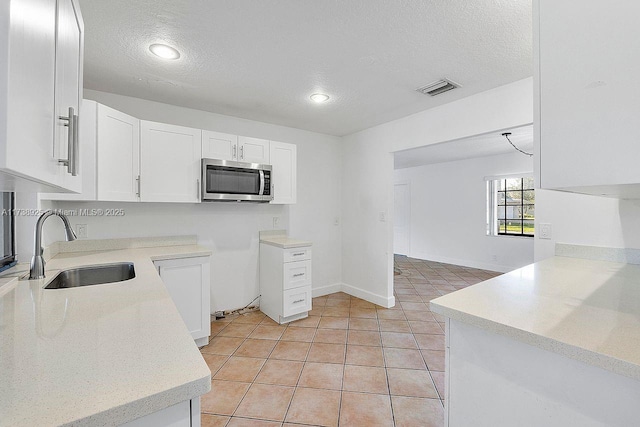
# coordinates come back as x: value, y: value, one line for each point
x: 164, y: 51
x: 319, y: 97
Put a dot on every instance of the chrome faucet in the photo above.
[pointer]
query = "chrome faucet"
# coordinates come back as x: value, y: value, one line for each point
x: 37, y: 262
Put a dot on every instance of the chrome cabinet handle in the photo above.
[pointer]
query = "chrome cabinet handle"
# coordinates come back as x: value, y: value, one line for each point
x: 298, y: 275
x: 75, y: 160
x: 72, y: 145
x: 138, y: 186
x: 235, y: 149
x: 298, y: 300
x: 298, y: 254
x: 242, y: 152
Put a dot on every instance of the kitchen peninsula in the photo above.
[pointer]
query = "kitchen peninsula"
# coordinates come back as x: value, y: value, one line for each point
x: 557, y: 342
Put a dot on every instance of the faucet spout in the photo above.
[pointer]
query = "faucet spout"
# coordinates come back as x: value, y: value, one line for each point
x: 37, y: 262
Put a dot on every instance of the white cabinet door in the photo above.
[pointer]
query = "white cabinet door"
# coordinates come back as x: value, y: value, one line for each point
x: 283, y: 175
x: 188, y: 283
x: 169, y: 163
x: 41, y: 44
x: 27, y: 55
x: 118, y: 155
x: 68, y: 91
x: 216, y: 145
x: 588, y: 90
x: 253, y: 150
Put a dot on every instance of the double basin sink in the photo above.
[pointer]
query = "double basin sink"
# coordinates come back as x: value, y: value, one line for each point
x: 92, y: 275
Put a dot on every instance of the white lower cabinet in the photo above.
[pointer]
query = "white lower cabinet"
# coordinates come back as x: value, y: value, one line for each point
x: 183, y: 414
x: 188, y: 283
x: 285, y: 282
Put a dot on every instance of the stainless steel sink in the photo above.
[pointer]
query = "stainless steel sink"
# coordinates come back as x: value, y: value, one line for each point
x: 92, y: 275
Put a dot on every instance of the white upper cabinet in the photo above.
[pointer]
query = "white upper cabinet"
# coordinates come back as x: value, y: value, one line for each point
x: 68, y: 92
x: 284, y: 172
x: 223, y: 146
x: 169, y: 163
x: 31, y: 52
x: 587, y: 92
x: 253, y: 150
x: 118, y: 155
x: 216, y: 145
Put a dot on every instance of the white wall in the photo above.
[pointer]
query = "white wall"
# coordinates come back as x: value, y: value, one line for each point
x: 586, y: 220
x: 367, y: 190
x: 231, y: 230
x: 449, y: 211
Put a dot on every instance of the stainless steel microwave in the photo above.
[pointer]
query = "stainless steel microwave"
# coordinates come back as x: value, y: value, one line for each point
x: 227, y: 181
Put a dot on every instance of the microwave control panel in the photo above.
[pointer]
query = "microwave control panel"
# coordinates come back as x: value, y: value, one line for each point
x: 267, y: 183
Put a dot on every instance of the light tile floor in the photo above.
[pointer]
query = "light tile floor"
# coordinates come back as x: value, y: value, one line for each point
x: 350, y: 363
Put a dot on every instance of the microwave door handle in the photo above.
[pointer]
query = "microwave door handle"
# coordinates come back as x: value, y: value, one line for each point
x: 261, y: 182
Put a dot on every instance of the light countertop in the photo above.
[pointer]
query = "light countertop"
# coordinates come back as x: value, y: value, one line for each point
x: 583, y: 309
x: 96, y: 355
x: 278, y: 238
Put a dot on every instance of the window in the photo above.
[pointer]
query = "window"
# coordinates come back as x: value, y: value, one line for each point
x: 7, y: 231
x: 510, y: 206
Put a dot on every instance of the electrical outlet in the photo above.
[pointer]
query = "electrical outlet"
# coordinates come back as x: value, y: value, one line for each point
x: 81, y: 231
x: 276, y: 222
x: 544, y: 231
x: 382, y: 216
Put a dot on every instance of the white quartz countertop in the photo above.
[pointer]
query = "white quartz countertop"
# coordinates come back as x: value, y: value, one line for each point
x: 284, y: 242
x: 97, y: 355
x: 583, y: 309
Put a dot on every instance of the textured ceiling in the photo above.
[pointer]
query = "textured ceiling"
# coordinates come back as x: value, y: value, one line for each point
x: 490, y: 144
x: 261, y: 59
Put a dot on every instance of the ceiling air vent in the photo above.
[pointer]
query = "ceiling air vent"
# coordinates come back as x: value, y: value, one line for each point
x: 438, y: 87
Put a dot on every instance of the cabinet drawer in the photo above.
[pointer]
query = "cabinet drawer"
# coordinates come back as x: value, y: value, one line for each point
x: 296, y: 301
x: 297, y: 254
x: 296, y: 274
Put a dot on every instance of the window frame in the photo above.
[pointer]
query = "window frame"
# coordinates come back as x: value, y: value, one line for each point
x: 493, y: 227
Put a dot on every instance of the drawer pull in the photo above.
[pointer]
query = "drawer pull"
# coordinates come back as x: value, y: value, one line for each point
x: 298, y: 275
x: 298, y: 300
x: 298, y: 254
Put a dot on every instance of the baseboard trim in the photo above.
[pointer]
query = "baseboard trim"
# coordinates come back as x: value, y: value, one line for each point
x: 326, y: 290
x: 383, y: 301
x: 466, y: 263
x: 355, y: 292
